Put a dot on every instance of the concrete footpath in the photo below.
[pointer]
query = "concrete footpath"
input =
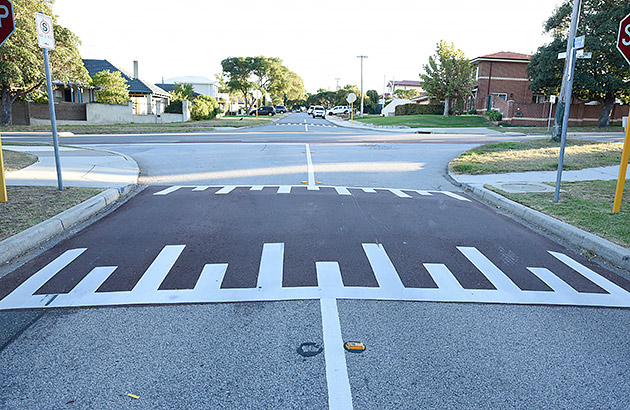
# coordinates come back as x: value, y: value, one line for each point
x: 117, y: 173
x: 523, y: 182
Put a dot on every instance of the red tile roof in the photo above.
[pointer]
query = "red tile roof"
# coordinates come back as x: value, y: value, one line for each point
x: 408, y: 83
x: 507, y: 55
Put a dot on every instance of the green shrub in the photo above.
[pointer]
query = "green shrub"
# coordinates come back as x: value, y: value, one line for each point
x: 494, y: 115
x: 204, y: 108
x: 416, y: 109
x: 175, y: 107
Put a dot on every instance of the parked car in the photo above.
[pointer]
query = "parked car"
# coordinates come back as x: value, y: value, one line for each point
x: 340, y: 109
x: 310, y: 110
x: 281, y: 109
x: 319, y: 111
x: 264, y: 110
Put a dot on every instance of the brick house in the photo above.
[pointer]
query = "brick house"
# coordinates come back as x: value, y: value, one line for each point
x: 502, y: 85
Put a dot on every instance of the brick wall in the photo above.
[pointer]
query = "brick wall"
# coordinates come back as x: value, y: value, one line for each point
x: 538, y: 114
x: 24, y: 111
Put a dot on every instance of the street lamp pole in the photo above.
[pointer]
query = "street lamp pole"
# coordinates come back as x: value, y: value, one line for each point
x: 362, y: 57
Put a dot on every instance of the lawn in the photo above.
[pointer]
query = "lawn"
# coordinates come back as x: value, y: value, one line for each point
x: 543, y: 130
x: 586, y: 205
x: 190, y: 126
x: 27, y: 206
x: 536, y: 155
x: 415, y: 121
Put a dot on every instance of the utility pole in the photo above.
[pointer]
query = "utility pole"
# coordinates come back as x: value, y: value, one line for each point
x: 561, y: 121
x: 362, y: 58
x: 337, y: 79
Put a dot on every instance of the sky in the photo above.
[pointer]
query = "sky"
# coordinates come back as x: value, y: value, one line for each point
x: 319, y: 40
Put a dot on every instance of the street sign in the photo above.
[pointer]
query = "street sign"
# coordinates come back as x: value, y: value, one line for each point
x: 581, y: 54
x: 623, y: 38
x: 257, y: 93
x: 7, y: 22
x: 579, y: 42
x: 352, y: 97
x: 45, y: 34
x: 562, y: 55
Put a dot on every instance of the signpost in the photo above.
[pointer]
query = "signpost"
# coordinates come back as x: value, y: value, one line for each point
x: 46, y: 40
x: 257, y: 94
x: 351, y: 98
x: 7, y: 27
x: 623, y: 45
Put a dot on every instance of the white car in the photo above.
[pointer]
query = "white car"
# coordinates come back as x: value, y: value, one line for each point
x: 319, y: 111
x: 310, y: 110
x: 340, y: 109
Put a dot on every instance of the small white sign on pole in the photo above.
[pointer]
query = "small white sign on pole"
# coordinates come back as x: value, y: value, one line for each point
x: 45, y: 35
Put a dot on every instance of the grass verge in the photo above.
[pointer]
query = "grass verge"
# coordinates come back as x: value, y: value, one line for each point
x: 536, y: 155
x: 438, y: 121
x: 14, y: 161
x: 543, y: 130
x: 190, y: 126
x: 586, y: 205
x: 27, y: 206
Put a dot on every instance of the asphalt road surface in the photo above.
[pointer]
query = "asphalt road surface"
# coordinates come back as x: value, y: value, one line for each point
x: 199, y: 291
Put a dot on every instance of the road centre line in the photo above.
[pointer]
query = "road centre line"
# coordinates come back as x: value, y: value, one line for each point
x: 309, y: 167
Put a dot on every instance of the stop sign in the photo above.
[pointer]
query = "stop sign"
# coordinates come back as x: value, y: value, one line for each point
x: 623, y: 40
x: 7, y: 24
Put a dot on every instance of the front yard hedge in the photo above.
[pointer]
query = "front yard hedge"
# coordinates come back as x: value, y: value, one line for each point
x: 417, y: 109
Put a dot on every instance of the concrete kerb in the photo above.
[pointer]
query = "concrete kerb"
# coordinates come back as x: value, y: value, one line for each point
x: 611, y: 252
x: 36, y: 235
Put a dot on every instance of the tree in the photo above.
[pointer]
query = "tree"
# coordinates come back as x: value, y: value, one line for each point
x: 407, y: 94
x: 21, y: 61
x: 183, y: 91
x: 324, y: 98
x: 269, y: 75
x: 372, y: 101
x: 341, y: 96
x: 204, y: 108
x: 114, y: 88
x: 602, y: 78
x: 448, y: 76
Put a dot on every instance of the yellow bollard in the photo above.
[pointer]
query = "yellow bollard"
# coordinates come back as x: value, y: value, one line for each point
x: 3, y: 185
x: 622, y: 171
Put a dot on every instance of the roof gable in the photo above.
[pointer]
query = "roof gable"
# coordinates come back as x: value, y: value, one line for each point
x: 505, y: 56
x: 136, y: 85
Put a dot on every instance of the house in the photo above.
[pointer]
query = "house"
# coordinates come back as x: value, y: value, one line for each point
x: 147, y: 98
x: 393, y: 85
x: 501, y: 75
x: 502, y: 84
x: 201, y: 85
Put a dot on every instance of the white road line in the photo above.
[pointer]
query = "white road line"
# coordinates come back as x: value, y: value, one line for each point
x: 305, y: 126
x: 32, y: 284
x: 225, y: 190
x: 211, y: 277
x: 553, y: 281
x: 342, y: 190
x: 339, y: 394
x: 399, y: 193
x: 201, y: 188
x: 309, y: 166
x: 257, y: 188
x: 452, y: 195
x: 312, y: 188
x: 499, y: 279
x: 271, y: 264
x: 328, y: 276
x: 168, y: 190
x: 594, y: 277
x: 423, y: 193
x: 284, y: 189
x: 443, y: 277
x: 92, y: 281
x: 382, y: 267
x: 369, y: 190
x: 155, y: 274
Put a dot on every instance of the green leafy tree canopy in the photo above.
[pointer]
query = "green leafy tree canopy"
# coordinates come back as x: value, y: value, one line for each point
x: 602, y: 78
x: 183, y: 91
x: 448, y: 76
x: 21, y: 60
x: 114, y: 88
x: 204, y: 107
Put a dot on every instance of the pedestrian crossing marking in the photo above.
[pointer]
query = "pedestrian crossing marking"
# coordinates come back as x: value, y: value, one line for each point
x: 207, y: 288
x: 287, y: 189
x: 285, y: 124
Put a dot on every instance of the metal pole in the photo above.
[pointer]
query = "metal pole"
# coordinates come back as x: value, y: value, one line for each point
x: 562, y: 101
x: 362, y: 57
x: 622, y: 171
x: 3, y: 185
x: 53, y: 119
x: 565, y: 124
